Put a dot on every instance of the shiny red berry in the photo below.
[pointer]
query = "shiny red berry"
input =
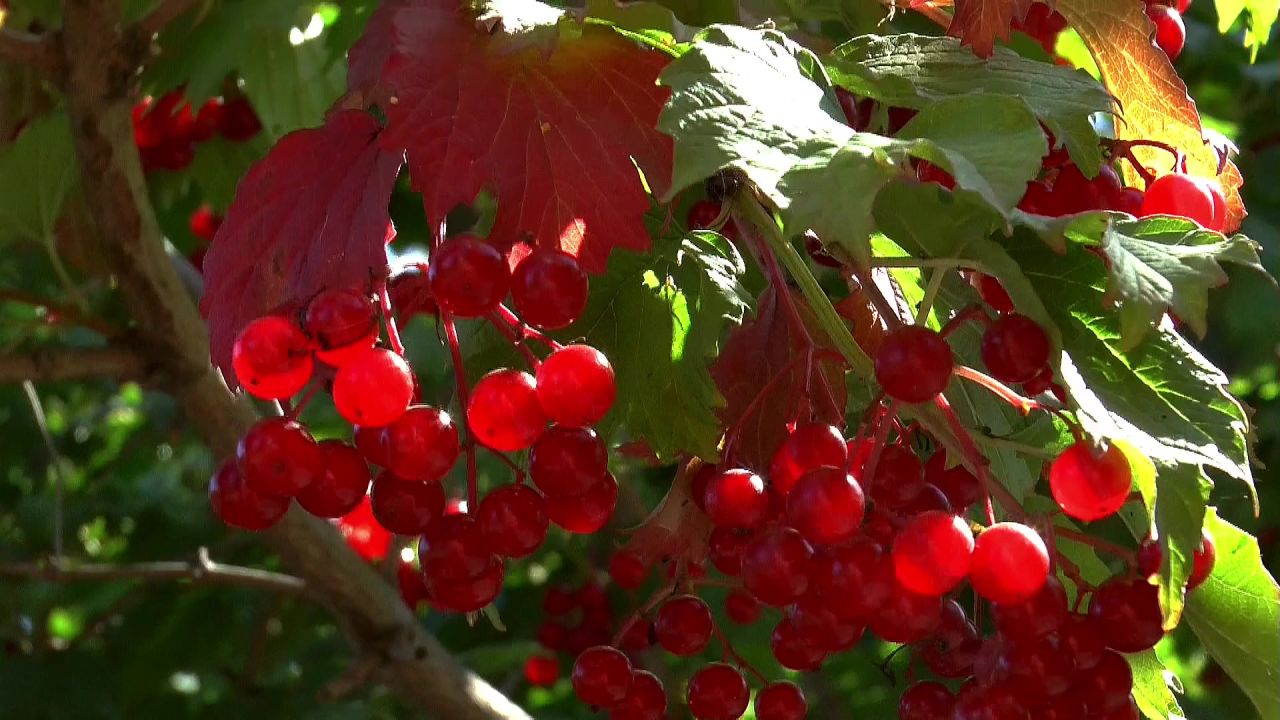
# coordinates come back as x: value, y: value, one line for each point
x: 549, y: 289
x: 913, y: 364
x: 468, y: 276
x: 576, y: 385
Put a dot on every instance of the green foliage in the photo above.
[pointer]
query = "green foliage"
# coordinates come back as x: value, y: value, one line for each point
x: 36, y: 173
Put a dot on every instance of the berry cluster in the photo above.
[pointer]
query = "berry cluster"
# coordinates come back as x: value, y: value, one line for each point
x: 576, y: 619
x: 334, y: 342
x: 167, y: 130
x: 1044, y: 24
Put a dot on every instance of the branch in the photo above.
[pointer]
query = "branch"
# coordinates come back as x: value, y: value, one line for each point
x: 33, y: 51
x: 367, y: 610
x: 165, y: 13
x: 201, y: 571
x: 54, y: 364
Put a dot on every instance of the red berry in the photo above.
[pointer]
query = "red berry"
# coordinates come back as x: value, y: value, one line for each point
x: 363, y: 533
x: 717, y: 692
x: 405, y: 507
x: 503, y: 411
x: 568, y: 461
x: 781, y: 700
x: 278, y: 456
x: 1081, y: 641
x: 422, y: 444
x: 1171, y: 31
x: 1015, y: 348
x: 411, y: 296
x: 741, y: 607
x: 342, y: 485
x: 907, y: 617
x: 702, y: 215
x: 1090, y: 486
x: 204, y: 223
x: 952, y: 649
x: 1149, y: 559
x: 238, y: 121
x: 1219, y: 222
x: 1128, y: 200
x: 371, y: 443
x: 1127, y: 615
x: 809, y: 446
x: 683, y: 625
x: 1179, y: 195
x: 627, y: 570
x: 272, y: 358
x: 826, y: 506
x: 855, y: 578
x: 208, y: 118
x: 926, y: 701
x: 549, y: 289
x: 817, y: 625
x: 776, y: 567
x: 792, y: 650
x: 452, y: 549
x: 471, y: 595
x: 576, y: 385
x: 238, y: 505
x: 899, y: 476
x: 541, y: 670
x: 513, y: 520
x: 373, y: 389
x: 1107, y: 686
x: 1203, y: 560
x: 1127, y: 711
x: 1044, y: 612
x: 468, y: 276
x: 602, y: 676
x: 646, y: 700
x: 927, y: 172
x: 412, y: 586
x: 959, y: 485
x: 913, y: 364
x: 1010, y: 563
x: 585, y: 514
x: 992, y: 293
x: 991, y: 703
x: 736, y: 499
x: 337, y: 318
x: 933, y: 553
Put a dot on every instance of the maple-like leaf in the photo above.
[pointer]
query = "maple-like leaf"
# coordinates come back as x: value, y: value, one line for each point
x: 979, y: 23
x: 768, y: 355
x: 550, y: 116
x: 310, y: 215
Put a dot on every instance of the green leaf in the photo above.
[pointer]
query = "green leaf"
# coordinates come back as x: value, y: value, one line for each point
x: 915, y: 71
x: 659, y: 319
x: 1262, y: 17
x: 1162, y: 264
x: 218, y: 166
x: 1236, y: 614
x: 991, y: 145
x: 36, y: 173
x: 1163, y: 396
x: 1175, y: 497
x: 1151, y: 683
x: 291, y: 86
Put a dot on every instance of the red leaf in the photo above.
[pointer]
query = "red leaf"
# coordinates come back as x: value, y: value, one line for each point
x: 310, y: 215
x: 980, y: 22
x: 547, y: 123
x: 767, y: 355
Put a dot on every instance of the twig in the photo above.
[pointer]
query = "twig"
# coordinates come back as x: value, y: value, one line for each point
x: 22, y: 48
x: 62, y: 363
x: 55, y: 462
x: 1119, y: 551
x: 460, y: 379
x: 201, y: 571
x: 165, y: 13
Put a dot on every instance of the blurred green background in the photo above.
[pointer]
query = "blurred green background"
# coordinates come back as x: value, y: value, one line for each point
x: 135, y: 477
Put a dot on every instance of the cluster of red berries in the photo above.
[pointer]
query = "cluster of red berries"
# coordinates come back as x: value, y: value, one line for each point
x: 167, y: 130
x: 576, y: 619
x: 334, y: 340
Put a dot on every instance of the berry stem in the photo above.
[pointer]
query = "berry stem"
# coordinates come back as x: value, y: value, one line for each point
x: 510, y: 333
x: 729, y: 653
x: 296, y: 409
x: 997, y: 388
x: 523, y: 331
x: 1097, y: 543
x: 1013, y: 445
x: 883, y: 424
x: 973, y: 456
x: 930, y: 295
x: 393, y: 333
x: 460, y: 379
x: 754, y: 221
x: 974, y: 313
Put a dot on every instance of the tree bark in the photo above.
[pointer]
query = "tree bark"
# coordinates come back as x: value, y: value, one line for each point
x: 99, y: 57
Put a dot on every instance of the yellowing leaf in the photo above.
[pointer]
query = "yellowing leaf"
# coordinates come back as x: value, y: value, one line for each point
x: 1151, y: 98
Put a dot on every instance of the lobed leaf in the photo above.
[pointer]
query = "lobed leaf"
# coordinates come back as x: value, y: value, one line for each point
x: 979, y: 23
x: 551, y: 117
x: 1262, y: 17
x: 310, y: 215
x: 917, y: 70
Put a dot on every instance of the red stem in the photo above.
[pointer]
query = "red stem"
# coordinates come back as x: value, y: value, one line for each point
x: 1097, y: 543
x: 974, y: 313
x: 974, y: 456
x: 729, y: 653
x: 883, y: 423
x: 460, y: 378
x: 523, y: 331
x: 1000, y: 390
x: 393, y: 333
x: 294, y: 411
x: 510, y: 333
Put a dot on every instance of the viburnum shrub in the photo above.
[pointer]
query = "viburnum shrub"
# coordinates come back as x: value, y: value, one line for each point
x: 901, y: 315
